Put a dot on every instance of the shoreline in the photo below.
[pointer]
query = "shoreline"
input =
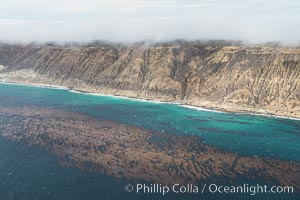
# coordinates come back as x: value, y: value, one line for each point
x: 121, y: 97
x: 37, y: 85
x: 186, y: 106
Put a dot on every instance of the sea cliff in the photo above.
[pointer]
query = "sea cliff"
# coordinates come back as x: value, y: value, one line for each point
x: 258, y: 79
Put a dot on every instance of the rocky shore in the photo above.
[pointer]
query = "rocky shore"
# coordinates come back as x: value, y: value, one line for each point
x: 135, y: 154
x: 251, y: 79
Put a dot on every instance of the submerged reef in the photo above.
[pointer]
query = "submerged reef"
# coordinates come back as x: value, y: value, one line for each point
x: 126, y: 151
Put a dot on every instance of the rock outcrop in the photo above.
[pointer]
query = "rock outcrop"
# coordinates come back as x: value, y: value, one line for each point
x: 129, y: 152
x: 233, y: 78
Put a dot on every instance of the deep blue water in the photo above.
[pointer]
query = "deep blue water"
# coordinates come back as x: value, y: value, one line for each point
x: 31, y: 173
x: 244, y: 134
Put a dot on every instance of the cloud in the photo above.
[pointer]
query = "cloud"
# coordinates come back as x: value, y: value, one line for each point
x: 135, y: 20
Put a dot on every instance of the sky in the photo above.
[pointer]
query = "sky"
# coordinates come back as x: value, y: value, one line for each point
x: 253, y: 21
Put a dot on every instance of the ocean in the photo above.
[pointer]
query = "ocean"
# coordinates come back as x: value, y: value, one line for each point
x: 30, y: 172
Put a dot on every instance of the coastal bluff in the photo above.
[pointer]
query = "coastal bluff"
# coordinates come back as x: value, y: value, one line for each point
x: 258, y: 79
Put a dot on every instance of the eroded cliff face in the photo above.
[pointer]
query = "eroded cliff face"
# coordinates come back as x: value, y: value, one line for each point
x: 233, y: 78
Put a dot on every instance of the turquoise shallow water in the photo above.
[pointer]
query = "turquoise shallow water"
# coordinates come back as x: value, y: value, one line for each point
x: 30, y: 173
x: 240, y: 133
